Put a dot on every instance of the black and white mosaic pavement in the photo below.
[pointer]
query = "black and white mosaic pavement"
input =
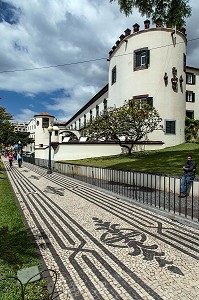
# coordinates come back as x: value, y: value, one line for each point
x: 103, y: 247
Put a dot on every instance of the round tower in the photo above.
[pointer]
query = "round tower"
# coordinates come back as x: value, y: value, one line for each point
x: 42, y: 122
x: 150, y: 65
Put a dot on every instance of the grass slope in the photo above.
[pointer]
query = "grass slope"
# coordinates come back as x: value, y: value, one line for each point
x: 167, y: 161
x: 16, y: 248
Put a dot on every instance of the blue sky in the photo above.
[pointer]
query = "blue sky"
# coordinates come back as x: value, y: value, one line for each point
x: 38, y: 35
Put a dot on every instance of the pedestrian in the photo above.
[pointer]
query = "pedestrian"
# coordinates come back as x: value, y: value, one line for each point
x: 19, y: 158
x: 10, y: 158
x: 188, y: 176
x: 15, y: 155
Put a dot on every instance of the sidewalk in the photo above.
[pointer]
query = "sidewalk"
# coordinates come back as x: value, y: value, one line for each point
x: 103, y: 247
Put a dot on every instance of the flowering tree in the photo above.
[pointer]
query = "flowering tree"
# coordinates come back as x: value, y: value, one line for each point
x: 131, y: 122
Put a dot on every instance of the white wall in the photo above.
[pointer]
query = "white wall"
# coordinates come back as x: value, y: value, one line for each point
x: 164, y: 55
x: 193, y: 106
x: 73, y: 151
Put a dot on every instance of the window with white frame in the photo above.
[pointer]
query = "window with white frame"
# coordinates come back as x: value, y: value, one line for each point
x: 190, y: 78
x: 141, y: 59
x: 170, y: 127
x: 190, y: 96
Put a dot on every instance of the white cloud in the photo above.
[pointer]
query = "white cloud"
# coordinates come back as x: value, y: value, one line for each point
x: 67, y: 32
x: 25, y: 116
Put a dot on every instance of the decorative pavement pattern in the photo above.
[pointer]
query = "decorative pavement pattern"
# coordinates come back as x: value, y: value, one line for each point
x: 103, y: 247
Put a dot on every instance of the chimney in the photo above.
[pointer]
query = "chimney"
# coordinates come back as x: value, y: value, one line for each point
x: 146, y: 24
x: 136, y: 27
x: 127, y: 32
x: 183, y: 30
x: 158, y: 23
x: 122, y: 37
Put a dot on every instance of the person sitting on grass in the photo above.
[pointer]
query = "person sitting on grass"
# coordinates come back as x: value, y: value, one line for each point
x: 188, y: 176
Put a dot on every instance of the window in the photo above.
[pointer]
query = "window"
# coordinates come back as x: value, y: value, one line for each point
x: 97, y: 111
x: 190, y: 96
x: 113, y: 80
x: 45, y: 122
x: 190, y: 78
x: 84, y: 120
x: 75, y: 125
x: 190, y: 114
x: 144, y: 99
x: 41, y: 145
x: 184, y: 62
x: 141, y: 59
x: 79, y: 123
x: 105, y: 104
x: 170, y: 127
x: 56, y: 132
x: 91, y: 115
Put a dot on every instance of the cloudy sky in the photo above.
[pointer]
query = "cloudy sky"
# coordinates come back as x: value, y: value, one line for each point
x: 53, y: 53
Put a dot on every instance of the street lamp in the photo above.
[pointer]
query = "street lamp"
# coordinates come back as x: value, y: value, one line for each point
x: 50, y: 130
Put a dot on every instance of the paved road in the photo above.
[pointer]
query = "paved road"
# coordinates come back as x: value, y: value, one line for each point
x: 103, y: 247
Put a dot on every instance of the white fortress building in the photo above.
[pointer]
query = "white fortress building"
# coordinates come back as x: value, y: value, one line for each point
x: 148, y: 65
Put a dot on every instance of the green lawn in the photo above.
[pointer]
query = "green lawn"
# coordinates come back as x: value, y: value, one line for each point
x: 16, y: 248
x: 166, y: 161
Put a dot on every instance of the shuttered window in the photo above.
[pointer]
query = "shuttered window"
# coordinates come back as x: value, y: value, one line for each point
x: 141, y: 59
x: 190, y: 96
x: 144, y: 99
x: 190, y: 78
x: 170, y: 127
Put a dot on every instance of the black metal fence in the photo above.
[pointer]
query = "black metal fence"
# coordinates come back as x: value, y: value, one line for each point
x: 21, y: 291
x: 157, y: 190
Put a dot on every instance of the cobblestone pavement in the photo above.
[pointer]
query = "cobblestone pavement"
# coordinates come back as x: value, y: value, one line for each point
x: 103, y: 247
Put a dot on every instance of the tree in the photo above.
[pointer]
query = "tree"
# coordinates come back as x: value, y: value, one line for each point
x: 132, y: 122
x: 172, y: 12
x: 7, y: 134
x: 5, y: 125
x: 191, y: 129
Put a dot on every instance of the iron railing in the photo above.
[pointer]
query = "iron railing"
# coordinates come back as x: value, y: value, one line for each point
x: 157, y: 190
x: 51, y: 293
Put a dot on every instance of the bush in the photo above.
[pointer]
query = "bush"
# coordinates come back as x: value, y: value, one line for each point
x: 191, y: 130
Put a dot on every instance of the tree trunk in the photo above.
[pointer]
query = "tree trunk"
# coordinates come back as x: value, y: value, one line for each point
x: 127, y: 147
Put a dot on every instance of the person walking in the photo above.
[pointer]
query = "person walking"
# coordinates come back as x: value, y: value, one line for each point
x: 188, y: 176
x: 10, y: 158
x: 19, y: 158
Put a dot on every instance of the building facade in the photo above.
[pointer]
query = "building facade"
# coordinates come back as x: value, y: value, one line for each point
x: 150, y: 66
x: 20, y: 126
